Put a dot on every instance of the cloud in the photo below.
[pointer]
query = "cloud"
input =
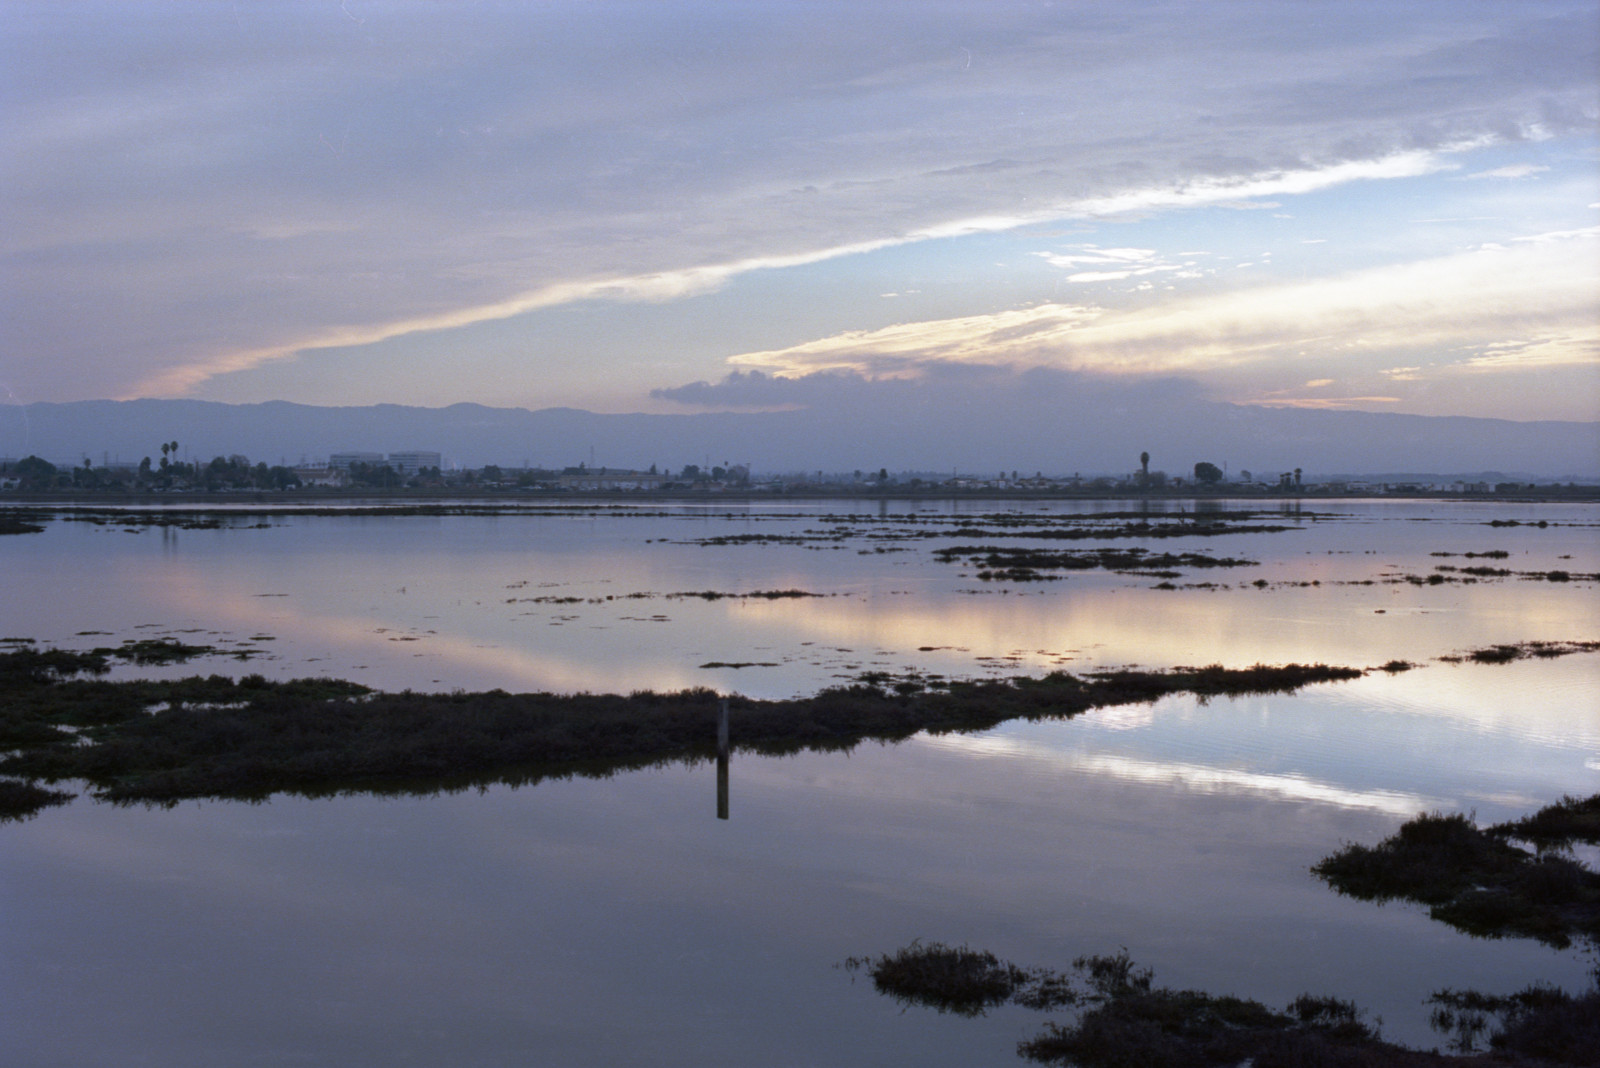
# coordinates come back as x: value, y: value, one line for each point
x: 1542, y: 290
x: 189, y: 197
x: 939, y: 386
x: 1131, y: 263
x: 1577, y: 348
x: 1015, y: 335
x: 1321, y: 403
x: 1513, y: 170
x: 755, y: 391
x: 674, y: 284
x: 660, y: 286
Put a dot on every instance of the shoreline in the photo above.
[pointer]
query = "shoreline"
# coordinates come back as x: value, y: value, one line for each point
x: 1557, y: 494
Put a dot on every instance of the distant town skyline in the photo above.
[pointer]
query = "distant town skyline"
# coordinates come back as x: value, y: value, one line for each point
x: 1058, y: 428
x: 691, y: 207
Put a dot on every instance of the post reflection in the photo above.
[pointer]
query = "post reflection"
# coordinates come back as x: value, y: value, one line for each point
x: 722, y: 786
x: 722, y: 759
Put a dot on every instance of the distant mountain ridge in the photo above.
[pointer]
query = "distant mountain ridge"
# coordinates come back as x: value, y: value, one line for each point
x: 1050, y: 434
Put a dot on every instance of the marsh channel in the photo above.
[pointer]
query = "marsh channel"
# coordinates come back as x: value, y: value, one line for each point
x: 613, y: 916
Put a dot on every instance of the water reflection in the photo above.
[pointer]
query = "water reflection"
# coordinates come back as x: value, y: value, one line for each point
x: 590, y: 922
x: 328, y: 591
x: 722, y: 759
x: 1195, y: 777
x: 595, y: 922
x: 722, y: 784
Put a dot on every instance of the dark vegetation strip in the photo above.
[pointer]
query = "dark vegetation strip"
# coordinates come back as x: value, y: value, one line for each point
x: 688, y: 595
x: 1174, y: 529
x: 1481, y: 571
x: 1076, y: 532
x: 1123, y: 1020
x: 1559, y: 826
x: 20, y: 523
x: 217, y: 737
x: 1001, y: 563
x: 21, y: 800
x: 1506, y: 653
x: 1477, y: 881
x: 1025, y: 519
x: 161, y: 515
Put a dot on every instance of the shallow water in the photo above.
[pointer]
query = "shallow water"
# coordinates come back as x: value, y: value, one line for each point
x: 431, y: 602
x: 617, y: 920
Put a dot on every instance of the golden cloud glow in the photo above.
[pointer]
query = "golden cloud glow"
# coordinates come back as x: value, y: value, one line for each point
x: 1328, y: 403
x: 976, y: 338
x: 1472, y: 301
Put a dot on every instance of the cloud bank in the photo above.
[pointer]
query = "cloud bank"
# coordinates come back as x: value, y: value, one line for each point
x: 193, y: 192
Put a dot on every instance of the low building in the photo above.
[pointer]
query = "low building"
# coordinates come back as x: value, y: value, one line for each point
x: 344, y: 461
x: 604, y: 480
x: 321, y: 476
x: 409, y: 463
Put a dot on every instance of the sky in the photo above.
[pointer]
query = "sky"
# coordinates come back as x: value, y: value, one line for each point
x: 687, y: 207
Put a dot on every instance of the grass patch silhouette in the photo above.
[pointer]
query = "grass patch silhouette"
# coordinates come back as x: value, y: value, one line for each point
x: 1477, y: 881
x: 167, y: 740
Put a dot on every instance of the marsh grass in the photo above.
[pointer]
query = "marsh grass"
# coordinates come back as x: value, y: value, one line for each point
x: 1541, y: 1022
x: 1000, y: 563
x: 19, y: 523
x: 953, y: 979
x: 1123, y: 1019
x: 1505, y: 653
x: 23, y: 800
x: 1559, y: 826
x: 163, y: 741
x: 1476, y: 881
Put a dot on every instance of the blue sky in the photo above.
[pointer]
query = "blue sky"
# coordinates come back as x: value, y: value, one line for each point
x: 600, y: 205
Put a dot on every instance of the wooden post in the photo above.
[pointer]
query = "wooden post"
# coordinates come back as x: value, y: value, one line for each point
x: 722, y: 760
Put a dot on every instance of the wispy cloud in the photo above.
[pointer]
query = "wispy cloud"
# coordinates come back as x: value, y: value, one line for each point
x: 1278, y: 400
x: 1116, y: 263
x: 1513, y: 170
x: 1003, y: 337
x: 941, y: 341
x: 659, y: 286
x: 1470, y: 301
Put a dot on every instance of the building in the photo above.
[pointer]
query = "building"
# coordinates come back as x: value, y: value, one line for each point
x: 593, y: 481
x: 346, y: 460
x: 321, y: 476
x: 409, y: 463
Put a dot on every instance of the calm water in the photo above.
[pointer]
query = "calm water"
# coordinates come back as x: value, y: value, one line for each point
x: 601, y: 922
